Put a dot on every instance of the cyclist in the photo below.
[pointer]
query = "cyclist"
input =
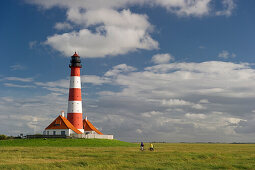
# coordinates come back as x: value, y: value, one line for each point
x: 142, y: 146
x: 151, y: 147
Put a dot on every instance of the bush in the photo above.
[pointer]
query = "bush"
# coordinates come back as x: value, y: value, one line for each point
x: 3, y: 137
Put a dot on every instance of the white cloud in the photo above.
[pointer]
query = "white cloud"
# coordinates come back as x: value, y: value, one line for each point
x: 195, y: 116
x: 204, y: 101
x: 19, y: 79
x: 178, y: 102
x: 232, y: 120
x: 151, y: 113
x: 64, y: 83
x: 187, y: 87
x: 175, y: 102
x: 202, y: 47
x: 117, y: 33
x: 18, y: 85
x: 179, y: 7
x: 162, y: 99
x: 63, y: 26
x: 96, y: 80
x: 110, y: 28
x: 162, y: 58
x: 229, y: 6
x: 121, y: 68
x: 225, y: 54
x: 17, y: 67
x: 186, y: 7
x: 139, y: 131
x: 198, y: 106
x: 32, y: 44
x: 61, y: 86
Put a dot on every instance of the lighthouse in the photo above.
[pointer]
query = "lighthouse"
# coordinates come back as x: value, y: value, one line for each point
x: 74, y: 125
x: 74, y: 111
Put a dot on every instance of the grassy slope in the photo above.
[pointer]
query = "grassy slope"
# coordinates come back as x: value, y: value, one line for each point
x: 64, y: 142
x: 165, y: 156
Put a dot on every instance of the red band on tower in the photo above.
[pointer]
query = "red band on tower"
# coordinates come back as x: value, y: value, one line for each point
x: 75, y: 94
x: 75, y: 71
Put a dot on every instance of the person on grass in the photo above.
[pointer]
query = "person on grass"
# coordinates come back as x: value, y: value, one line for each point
x: 151, y: 147
x: 142, y: 146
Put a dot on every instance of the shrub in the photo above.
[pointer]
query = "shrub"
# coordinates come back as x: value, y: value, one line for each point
x: 3, y: 137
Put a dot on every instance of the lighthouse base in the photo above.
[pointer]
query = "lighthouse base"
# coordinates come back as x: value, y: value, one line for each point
x: 82, y: 130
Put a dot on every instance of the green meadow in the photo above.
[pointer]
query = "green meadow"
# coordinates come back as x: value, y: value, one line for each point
x: 114, y: 154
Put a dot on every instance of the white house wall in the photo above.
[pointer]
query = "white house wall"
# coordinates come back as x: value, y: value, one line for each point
x: 58, y: 131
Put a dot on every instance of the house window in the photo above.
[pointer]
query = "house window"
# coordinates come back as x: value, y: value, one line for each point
x: 48, y: 132
x: 57, y: 122
x: 63, y: 133
x: 54, y: 132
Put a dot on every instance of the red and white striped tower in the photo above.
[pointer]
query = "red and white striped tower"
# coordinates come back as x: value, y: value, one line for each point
x: 74, y: 112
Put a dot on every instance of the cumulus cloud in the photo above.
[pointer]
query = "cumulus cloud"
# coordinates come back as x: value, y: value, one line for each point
x: 225, y: 54
x: 29, y: 115
x: 121, y: 68
x: 229, y: 6
x: 178, y: 102
x: 175, y: 102
x: 151, y: 114
x: 63, y: 26
x: 18, y: 85
x: 246, y: 126
x: 195, y: 116
x: 110, y: 28
x: 117, y: 33
x: 178, y: 90
x: 204, y: 101
x: 180, y: 7
x: 61, y: 86
x: 162, y: 58
x: 161, y: 99
x: 17, y: 67
x: 95, y: 80
x: 32, y: 44
x: 19, y: 79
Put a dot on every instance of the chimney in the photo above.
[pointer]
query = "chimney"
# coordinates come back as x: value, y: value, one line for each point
x: 62, y: 113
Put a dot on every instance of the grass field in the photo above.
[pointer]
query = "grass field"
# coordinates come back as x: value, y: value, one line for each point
x: 94, y: 154
x: 64, y: 143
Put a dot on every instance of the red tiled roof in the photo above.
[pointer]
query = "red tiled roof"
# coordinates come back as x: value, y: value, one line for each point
x: 62, y: 123
x: 87, y: 126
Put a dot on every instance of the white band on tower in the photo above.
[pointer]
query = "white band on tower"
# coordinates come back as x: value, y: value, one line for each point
x: 75, y: 82
x: 74, y: 107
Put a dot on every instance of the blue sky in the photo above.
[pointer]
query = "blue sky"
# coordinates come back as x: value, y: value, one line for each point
x: 152, y: 70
